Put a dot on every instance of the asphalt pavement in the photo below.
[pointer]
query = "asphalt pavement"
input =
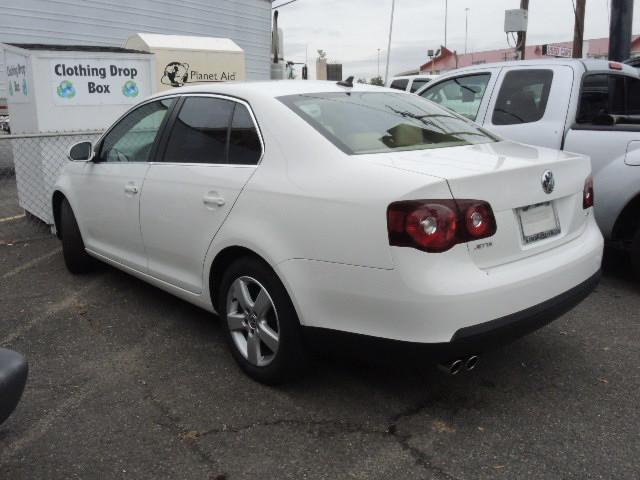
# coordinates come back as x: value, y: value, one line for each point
x: 127, y: 381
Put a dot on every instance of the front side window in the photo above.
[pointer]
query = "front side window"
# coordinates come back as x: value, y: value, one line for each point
x: 523, y: 97
x: 377, y: 122
x: 132, y: 139
x: 400, y: 84
x: 463, y: 95
x: 199, y: 133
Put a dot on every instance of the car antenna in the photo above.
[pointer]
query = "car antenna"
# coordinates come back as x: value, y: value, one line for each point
x: 346, y: 83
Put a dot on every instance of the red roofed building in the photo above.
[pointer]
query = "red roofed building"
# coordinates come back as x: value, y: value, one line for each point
x: 449, y: 60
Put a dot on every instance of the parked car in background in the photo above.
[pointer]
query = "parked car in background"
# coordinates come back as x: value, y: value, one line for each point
x: 410, y: 83
x: 585, y: 106
x: 348, y: 208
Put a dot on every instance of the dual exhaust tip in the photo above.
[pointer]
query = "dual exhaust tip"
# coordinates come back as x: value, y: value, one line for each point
x: 456, y: 366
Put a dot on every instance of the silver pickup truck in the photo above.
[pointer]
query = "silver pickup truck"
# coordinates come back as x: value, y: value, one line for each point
x: 584, y: 106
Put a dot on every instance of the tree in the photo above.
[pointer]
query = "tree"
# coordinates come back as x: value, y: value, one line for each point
x: 361, y: 80
x: 377, y: 81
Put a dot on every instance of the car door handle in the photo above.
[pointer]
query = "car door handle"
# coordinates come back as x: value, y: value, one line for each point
x: 213, y: 200
x: 131, y: 188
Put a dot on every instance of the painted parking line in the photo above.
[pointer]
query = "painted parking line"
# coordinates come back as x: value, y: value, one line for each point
x: 30, y: 263
x: 10, y: 219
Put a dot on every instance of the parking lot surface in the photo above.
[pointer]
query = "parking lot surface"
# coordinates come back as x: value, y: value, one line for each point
x: 127, y: 381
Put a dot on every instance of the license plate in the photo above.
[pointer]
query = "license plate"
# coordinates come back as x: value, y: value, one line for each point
x: 538, y: 222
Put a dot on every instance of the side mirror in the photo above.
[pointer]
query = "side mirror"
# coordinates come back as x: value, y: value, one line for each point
x: 81, y: 152
x: 13, y: 377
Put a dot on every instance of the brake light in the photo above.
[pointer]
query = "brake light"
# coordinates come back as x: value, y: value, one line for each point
x: 587, y: 193
x: 437, y: 225
x: 615, y: 66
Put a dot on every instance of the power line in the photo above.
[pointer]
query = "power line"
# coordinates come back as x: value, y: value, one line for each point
x: 283, y: 4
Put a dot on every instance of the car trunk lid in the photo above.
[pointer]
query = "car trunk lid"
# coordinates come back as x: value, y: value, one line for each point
x: 510, y: 177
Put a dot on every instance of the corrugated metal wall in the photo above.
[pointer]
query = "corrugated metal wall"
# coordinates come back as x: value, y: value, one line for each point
x: 110, y: 22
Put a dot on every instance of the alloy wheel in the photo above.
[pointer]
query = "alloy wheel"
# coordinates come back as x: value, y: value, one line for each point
x: 252, y: 320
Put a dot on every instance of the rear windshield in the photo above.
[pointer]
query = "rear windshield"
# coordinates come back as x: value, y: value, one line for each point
x: 378, y: 122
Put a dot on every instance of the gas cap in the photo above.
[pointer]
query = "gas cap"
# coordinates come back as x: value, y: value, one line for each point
x: 633, y: 154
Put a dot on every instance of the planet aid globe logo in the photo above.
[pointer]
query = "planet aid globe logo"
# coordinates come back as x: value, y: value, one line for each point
x: 66, y: 89
x: 130, y: 89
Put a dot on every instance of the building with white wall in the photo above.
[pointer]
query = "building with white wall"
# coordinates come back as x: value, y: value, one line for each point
x: 111, y: 22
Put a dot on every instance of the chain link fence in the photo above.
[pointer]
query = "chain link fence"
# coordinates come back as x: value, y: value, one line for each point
x: 29, y: 167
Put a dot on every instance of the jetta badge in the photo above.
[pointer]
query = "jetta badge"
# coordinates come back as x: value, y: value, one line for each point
x: 548, y: 182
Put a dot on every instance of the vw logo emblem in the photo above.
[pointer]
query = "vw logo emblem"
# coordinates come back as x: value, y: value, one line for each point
x: 548, y: 182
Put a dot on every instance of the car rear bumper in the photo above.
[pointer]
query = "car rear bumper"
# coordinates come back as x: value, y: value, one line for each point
x: 444, y: 298
x: 467, y: 341
x: 476, y: 338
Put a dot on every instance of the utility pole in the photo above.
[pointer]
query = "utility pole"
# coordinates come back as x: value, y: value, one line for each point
x: 386, y: 74
x: 466, y: 29
x: 446, y: 12
x: 620, y: 30
x: 578, y: 29
x: 378, y: 62
x: 522, y: 36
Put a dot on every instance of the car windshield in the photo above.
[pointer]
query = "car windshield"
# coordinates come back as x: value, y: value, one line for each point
x: 378, y: 122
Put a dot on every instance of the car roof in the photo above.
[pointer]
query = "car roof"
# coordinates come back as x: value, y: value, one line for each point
x: 271, y: 89
x: 589, y: 64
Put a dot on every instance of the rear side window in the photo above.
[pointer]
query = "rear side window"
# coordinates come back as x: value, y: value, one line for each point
x: 523, y: 97
x: 463, y: 95
x: 604, y: 95
x: 400, y: 84
x: 379, y: 122
x: 199, y: 133
x: 418, y: 83
x: 244, y: 144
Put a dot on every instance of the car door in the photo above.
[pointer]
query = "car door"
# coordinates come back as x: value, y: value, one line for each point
x: 531, y: 104
x: 211, y: 150
x: 109, y: 187
x: 467, y: 94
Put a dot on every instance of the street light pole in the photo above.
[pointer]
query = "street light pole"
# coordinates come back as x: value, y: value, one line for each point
x: 393, y: 7
x: 466, y: 29
x: 378, y: 62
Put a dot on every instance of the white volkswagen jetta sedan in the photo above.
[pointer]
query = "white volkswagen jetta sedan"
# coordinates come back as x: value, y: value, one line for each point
x: 357, y: 209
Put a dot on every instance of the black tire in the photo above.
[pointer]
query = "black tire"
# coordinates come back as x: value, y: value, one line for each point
x: 76, y: 257
x: 290, y: 359
x: 634, y: 253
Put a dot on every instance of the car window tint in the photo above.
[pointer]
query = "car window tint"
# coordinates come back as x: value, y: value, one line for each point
x: 400, y: 84
x: 418, y: 83
x: 633, y: 94
x: 463, y: 95
x: 132, y: 138
x: 372, y: 122
x: 199, y: 133
x: 601, y: 95
x: 244, y: 143
x: 523, y: 97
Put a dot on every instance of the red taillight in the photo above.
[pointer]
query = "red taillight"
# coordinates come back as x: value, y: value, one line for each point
x: 437, y: 225
x: 587, y: 193
x: 615, y: 66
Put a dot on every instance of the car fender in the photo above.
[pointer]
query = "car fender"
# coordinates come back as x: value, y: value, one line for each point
x: 615, y: 185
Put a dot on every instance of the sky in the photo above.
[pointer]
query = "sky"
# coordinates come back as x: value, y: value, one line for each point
x: 352, y: 31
